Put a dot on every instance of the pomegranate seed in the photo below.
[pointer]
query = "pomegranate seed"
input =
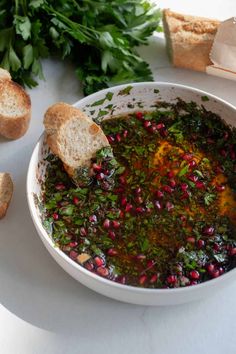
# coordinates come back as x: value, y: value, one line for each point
x: 89, y: 266
x: 221, y: 270
x: 193, y: 282
x: 216, y: 247
x: 158, y: 204
x: 112, y: 235
x: 139, y: 200
x: 107, y: 224
x: 92, y: 218
x: 125, y: 133
x: 194, y: 274
x: 159, y: 194
x: 185, y: 195
x: 122, y: 179
x: 200, y: 185
x: 215, y: 273
x: 142, y: 279
x: 139, y: 115
x: 73, y: 244
x: 164, y: 133
x: 100, y: 176
x: 60, y: 186
x: 150, y: 263
x: 191, y: 240
x: 55, y: 216
x: 140, y: 210
x: 107, y: 172
x: 192, y: 163
x: 220, y: 187
x: 209, y: 230
x: 183, y: 218
x: 121, y: 214
x: 160, y: 126
x: 118, y: 137
x: 115, y: 224
x: 110, y: 139
x: 123, y: 201
x: 96, y: 167
x: 138, y: 190
x: 184, y: 186
x: 83, y: 231
x: 148, y: 210
x: 73, y: 254
x: 104, y: 272
x: 153, y: 279
x: 121, y: 279
x: 147, y: 124
x: 187, y: 157
x: 99, y: 261
x: 172, y: 183
x: 167, y: 189
x: 170, y: 174
x: 192, y: 178
x: 184, y: 280
x: 76, y: 200
x: 112, y: 252
x: 226, y: 135
x: 171, y: 279
x: 128, y: 207
x: 200, y: 243
x: 152, y: 129
x: 210, y: 267
x: 140, y: 257
x: 169, y: 206
x: 232, y: 251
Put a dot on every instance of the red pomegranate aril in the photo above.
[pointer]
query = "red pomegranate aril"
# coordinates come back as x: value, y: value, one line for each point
x: 140, y: 210
x: 193, y: 282
x: 121, y: 279
x: 75, y: 200
x: 110, y: 138
x: 121, y: 214
x: 159, y: 194
x: 92, y: 218
x: 142, y: 279
x: 153, y: 279
x: 170, y: 174
x: 140, y: 257
x: 55, y: 216
x: 152, y: 129
x: 106, y: 224
x: 215, y: 273
x: 112, y: 252
x: 216, y: 247
x: 191, y: 240
x: 157, y: 204
x: 138, y: 190
x: 100, y: 176
x: 73, y: 254
x: 122, y: 179
x: 187, y: 157
x: 139, y: 200
x: 194, y: 274
x: 221, y: 270
x: 139, y: 115
x: 125, y: 133
x: 185, y: 195
x: 169, y: 206
x: 172, y: 183
x: 60, y: 186
x: 167, y: 189
x: 73, y: 244
x: 89, y: 266
x: 123, y: 201
x: 96, y: 167
x: 150, y: 263
x: 111, y: 235
x: 164, y: 133
x: 118, y: 138
x: 200, y: 243
x: 210, y: 267
x: 192, y: 178
x: 98, y: 261
x: 115, y: 224
x: 183, y: 218
x: 147, y: 124
x: 192, y: 163
x: 184, y: 186
x: 200, y: 185
x: 232, y: 251
x: 220, y: 187
x: 184, y: 280
x: 160, y: 126
x: 171, y: 279
x: 104, y: 272
x: 208, y: 230
x: 128, y: 208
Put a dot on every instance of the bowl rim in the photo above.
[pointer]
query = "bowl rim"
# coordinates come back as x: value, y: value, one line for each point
x: 80, y: 268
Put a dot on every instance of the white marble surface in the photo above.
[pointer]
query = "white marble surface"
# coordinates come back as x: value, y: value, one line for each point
x: 42, y: 309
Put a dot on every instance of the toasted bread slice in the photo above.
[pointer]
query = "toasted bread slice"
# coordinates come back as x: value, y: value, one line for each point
x: 6, y: 190
x: 189, y: 39
x: 72, y: 136
x: 15, y: 107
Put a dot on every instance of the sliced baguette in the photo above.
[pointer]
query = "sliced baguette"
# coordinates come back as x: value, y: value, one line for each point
x: 72, y: 136
x: 6, y: 190
x: 189, y: 39
x: 15, y: 108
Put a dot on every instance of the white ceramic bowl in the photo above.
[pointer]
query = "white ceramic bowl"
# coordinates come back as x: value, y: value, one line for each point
x: 118, y: 100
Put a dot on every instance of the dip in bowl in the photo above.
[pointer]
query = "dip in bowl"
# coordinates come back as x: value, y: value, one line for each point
x: 157, y: 225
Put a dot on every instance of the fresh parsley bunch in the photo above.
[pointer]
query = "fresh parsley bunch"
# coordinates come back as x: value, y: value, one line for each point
x: 98, y: 36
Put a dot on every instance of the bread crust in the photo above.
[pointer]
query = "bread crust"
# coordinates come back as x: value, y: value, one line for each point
x: 6, y: 191
x: 189, y: 39
x: 15, y: 108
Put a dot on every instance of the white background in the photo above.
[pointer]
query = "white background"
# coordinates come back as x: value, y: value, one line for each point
x: 42, y: 309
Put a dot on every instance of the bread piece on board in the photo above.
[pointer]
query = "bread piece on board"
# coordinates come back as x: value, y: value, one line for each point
x: 189, y: 39
x: 6, y: 190
x: 15, y: 108
x: 72, y: 136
